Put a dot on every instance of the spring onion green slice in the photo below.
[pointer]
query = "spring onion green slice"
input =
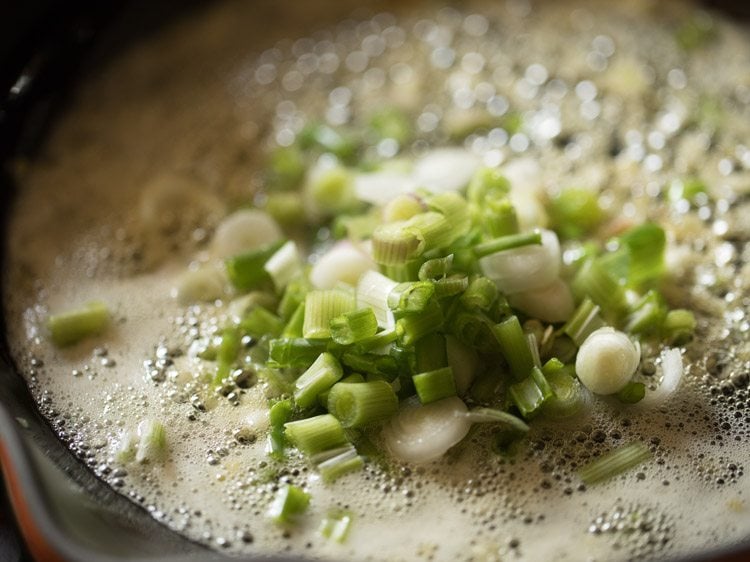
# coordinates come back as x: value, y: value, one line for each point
x: 435, y: 385
x: 289, y: 503
x: 481, y: 294
x: 323, y: 306
x: 293, y: 328
x: 412, y: 327
x: 354, y: 326
x: 316, y: 435
x: 152, y: 443
x: 648, y: 315
x: 246, y: 271
x: 487, y: 184
x: 593, y: 281
x: 346, y: 460
x: 411, y: 297
x: 393, y: 244
x: 436, y: 268
x: 569, y: 396
x: 514, y: 346
x: 456, y: 211
x: 321, y: 376
x: 500, y: 218
x: 615, y: 463
x: 284, y: 265
x: 336, y: 526
x: 632, y: 393
x: 679, y: 326
x: 260, y: 322
x: 362, y: 404
x: 294, y: 352
x: 508, y: 242
x: 67, y: 328
x: 451, y: 286
x: 532, y: 393
x: 584, y: 321
x: 279, y: 413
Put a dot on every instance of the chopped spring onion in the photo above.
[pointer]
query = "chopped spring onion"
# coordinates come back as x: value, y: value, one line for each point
x: 645, y: 244
x: 246, y: 271
x: 526, y: 267
x: 551, y: 303
x: 323, y: 306
x: 509, y: 242
x: 575, y: 212
x: 354, y: 326
x: 531, y: 393
x: 260, y: 322
x: 373, y: 289
x: 451, y: 286
x: 379, y: 343
x: 344, y: 262
x: 423, y: 433
x: 294, y: 352
x: 152, y: 443
x: 474, y: 329
x: 393, y: 244
x: 614, y: 463
x: 227, y: 353
x: 284, y: 265
x: 632, y: 393
x: 455, y: 209
x: 380, y: 366
x: 245, y: 231
x: 293, y: 328
x: 514, y: 347
x: 201, y: 285
x: 289, y: 503
x: 321, y: 376
x: 463, y: 360
x: 679, y: 326
x: 487, y: 184
x: 607, y: 361
x: 336, y: 525
x: 410, y: 298
x: 347, y: 460
x: 481, y: 294
x: 432, y: 230
x: 404, y: 271
x: 492, y: 415
x: 499, y: 218
x: 331, y: 190
x: 648, y: 314
x: 67, y: 328
x: 430, y: 353
x: 437, y: 268
x: 127, y: 447
x: 412, y: 327
x: 316, y: 435
x: 279, y: 413
x: 435, y: 385
x: 286, y: 167
x: 403, y: 207
x: 293, y: 296
x: 593, y: 281
x: 584, y: 321
x: 569, y: 396
x: 362, y: 404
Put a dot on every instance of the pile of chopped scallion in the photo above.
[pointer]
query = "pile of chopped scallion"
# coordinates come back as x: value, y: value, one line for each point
x: 432, y: 309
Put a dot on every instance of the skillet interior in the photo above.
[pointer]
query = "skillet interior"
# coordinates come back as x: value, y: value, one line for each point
x: 125, y: 516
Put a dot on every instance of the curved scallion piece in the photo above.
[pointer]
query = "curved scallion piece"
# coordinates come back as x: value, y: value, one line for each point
x: 289, y: 503
x: 316, y: 435
x: 615, y: 462
x: 67, y: 328
x: 321, y: 376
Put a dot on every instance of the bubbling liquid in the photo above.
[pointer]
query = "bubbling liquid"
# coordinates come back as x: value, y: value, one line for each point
x: 607, y: 98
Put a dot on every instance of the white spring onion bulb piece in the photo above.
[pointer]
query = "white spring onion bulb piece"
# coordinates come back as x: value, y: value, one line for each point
x: 244, y: 231
x: 373, y: 289
x: 672, y: 370
x: 445, y: 169
x: 551, y: 303
x: 201, y: 285
x: 524, y: 268
x: 284, y: 265
x: 464, y: 362
x: 606, y: 361
x: 344, y: 262
x: 420, y: 434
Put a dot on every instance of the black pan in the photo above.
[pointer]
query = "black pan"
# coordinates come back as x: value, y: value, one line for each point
x: 62, y: 511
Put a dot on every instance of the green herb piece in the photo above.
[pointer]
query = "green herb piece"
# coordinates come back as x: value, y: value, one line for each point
x: 354, y: 326
x: 279, y: 413
x: 294, y: 352
x: 531, y: 394
x: 344, y: 460
x: 584, y: 321
x: 319, y: 377
x: 614, y: 463
x: 362, y: 404
x: 412, y: 327
x: 514, y: 347
x: 323, y: 306
x: 336, y: 526
x: 575, y: 212
x: 246, y: 271
x: 593, y: 281
x: 508, y: 242
x: 152, y: 445
x: 487, y: 184
x: 632, y: 393
x: 411, y: 297
x: 316, y: 435
x: 679, y: 326
x: 72, y: 326
x: 435, y: 385
x: 568, y: 396
x: 290, y: 502
x: 260, y: 322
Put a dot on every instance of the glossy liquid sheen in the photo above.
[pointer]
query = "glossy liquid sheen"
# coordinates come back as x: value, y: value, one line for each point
x: 609, y: 101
